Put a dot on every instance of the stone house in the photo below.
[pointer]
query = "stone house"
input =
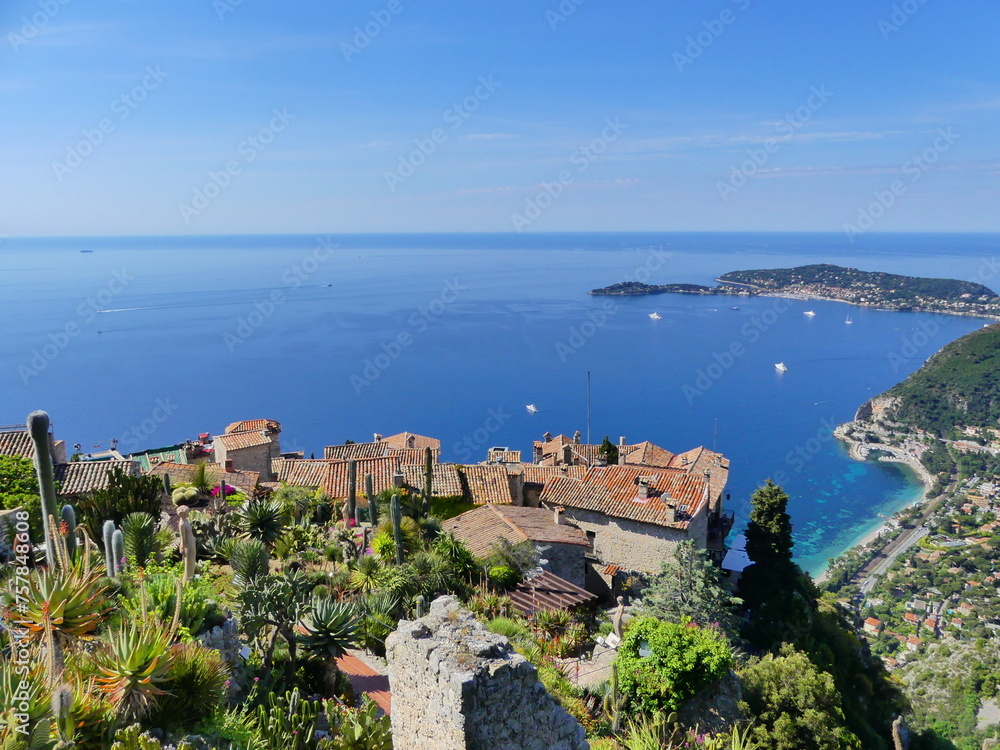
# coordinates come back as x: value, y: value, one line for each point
x: 560, y: 544
x: 872, y: 626
x: 249, y: 446
x: 633, y: 516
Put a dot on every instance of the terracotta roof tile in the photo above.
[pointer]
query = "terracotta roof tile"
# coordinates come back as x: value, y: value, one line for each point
x: 409, y: 440
x: 17, y: 443
x: 78, y: 477
x: 445, y: 481
x: 482, y: 528
x: 253, y: 425
x: 534, y: 474
x: 673, y: 496
x: 242, y: 480
x: 303, y: 472
x: 487, y: 483
x: 504, y: 457
x: 413, y: 455
x: 335, y: 483
x: 645, y: 454
x: 356, y: 450
x: 238, y: 440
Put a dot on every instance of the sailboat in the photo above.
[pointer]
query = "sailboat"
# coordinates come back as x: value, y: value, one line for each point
x: 656, y: 316
x: 532, y: 409
x: 849, y: 321
x: 810, y: 313
x: 780, y: 367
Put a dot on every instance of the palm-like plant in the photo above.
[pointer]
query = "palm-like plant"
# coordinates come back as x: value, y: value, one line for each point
x: 249, y: 560
x: 368, y: 574
x: 135, y: 662
x: 329, y: 629
x: 378, y: 617
x: 262, y: 519
x: 139, y: 531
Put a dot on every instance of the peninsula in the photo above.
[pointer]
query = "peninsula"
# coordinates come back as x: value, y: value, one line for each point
x: 884, y: 291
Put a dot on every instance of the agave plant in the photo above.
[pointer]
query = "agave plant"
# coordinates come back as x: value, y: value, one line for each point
x: 378, y: 617
x: 135, y: 662
x: 139, y: 531
x: 249, y: 560
x: 368, y: 574
x: 63, y: 604
x: 329, y: 629
x: 33, y: 703
x: 195, y: 688
x: 262, y: 519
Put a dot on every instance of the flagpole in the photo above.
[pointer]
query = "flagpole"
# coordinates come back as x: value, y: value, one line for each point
x: 588, y: 407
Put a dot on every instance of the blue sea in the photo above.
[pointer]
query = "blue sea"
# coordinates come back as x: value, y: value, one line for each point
x: 153, y: 340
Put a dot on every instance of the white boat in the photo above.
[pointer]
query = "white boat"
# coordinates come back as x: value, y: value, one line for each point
x: 780, y: 367
x: 849, y: 321
x: 656, y: 316
x: 810, y: 313
x: 532, y: 409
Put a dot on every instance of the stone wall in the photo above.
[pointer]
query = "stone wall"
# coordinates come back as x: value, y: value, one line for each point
x: 565, y: 561
x: 456, y: 686
x: 632, y: 545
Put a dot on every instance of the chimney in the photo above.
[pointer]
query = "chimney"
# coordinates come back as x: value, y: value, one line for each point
x: 576, y: 437
x: 398, y: 479
x: 557, y: 515
x: 547, y: 437
x: 410, y: 441
x: 536, y: 454
x: 567, y: 454
x: 643, y: 493
x: 229, y: 466
x: 378, y: 438
x: 621, y: 442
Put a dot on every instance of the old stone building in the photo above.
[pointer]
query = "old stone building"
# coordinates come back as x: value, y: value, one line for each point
x: 249, y: 446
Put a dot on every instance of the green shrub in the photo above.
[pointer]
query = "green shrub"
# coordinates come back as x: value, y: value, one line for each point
x: 503, y: 577
x: 195, y: 687
x: 510, y: 629
x: 662, y: 664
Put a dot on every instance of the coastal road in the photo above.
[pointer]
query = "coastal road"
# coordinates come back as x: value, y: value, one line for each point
x: 886, y: 556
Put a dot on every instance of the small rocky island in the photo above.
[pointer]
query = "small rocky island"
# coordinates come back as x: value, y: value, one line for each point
x: 885, y: 291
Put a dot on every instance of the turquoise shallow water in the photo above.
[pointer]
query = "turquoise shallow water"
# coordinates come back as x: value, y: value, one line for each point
x: 453, y: 335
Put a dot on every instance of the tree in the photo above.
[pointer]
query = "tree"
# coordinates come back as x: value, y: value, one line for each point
x: 778, y: 596
x: 794, y: 704
x: 609, y: 450
x: 662, y: 664
x: 688, y: 585
x: 19, y: 489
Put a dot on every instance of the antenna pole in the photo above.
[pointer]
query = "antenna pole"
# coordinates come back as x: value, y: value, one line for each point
x: 588, y: 407
x: 715, y: 436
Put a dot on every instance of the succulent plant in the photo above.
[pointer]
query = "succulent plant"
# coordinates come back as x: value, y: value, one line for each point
x: 372, y: 500
x: 69, y: 518
x: 249, y: 560
x: 396, y: 512
x: 133, y: 665
x: 139, y: 536
x: 330, y: 628
x: 352, y: 489
x: 118, y: 551
x: 38, y: 426
x: 262, y: 519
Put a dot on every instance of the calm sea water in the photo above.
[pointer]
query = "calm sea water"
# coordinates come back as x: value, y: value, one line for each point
x: 451, y: 336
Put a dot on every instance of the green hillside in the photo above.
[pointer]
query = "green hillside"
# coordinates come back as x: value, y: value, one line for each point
x: 960, y: 385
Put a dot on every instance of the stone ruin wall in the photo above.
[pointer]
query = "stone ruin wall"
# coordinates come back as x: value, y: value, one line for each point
x: 455, y: 685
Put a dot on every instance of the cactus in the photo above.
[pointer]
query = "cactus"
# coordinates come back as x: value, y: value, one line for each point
x: 38, y: 426
x: 62, y: 703
x: 396, y: 512
x: 118, y: 550
x: 108, y: 532
x: 419, y: 606
x: 352, y: 489
x: 188, y: 545
x: 166, y: 484
x: 372, y: 500
x: 428, y: 478
x: 69, y: 518
x: 613, y: 702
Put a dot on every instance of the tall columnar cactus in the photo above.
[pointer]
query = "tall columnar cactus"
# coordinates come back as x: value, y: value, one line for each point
x: 428, y: 478
x: 108, y: 534
x: 188, y: 545
x: 372, y: 500
x: 118, y: 550
x: 396, y: 512
x: 420, y: 606
x: 352, y: 489
x: 69, y: 518
x: 166, y: 484
x: 38, y: 426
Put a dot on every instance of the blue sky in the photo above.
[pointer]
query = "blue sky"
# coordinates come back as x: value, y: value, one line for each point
x: 506, y: 99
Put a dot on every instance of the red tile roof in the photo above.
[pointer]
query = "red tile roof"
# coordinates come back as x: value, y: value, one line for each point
x: 505, y: 457
x: 548, y: 591
x: 335, y: 483
x: 486, y: 483
x: 445, y: 481
x: 239, y: 440
x: 254, y: 425
x: 302, y: 472
x: 243, y: 480
x: 17, y: 443
x: 78, y: 477
x: 534, y: 474
x: 673, y: 496
x: 355, y: 450
x: 482, y: 528
x: 409, y: 440
x: 644, y: 454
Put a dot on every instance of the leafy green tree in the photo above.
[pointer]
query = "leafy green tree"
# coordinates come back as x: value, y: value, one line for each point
x: 609, y: 450
x: 19, y: 489
x: 689, y: 585
x: 794, y: 704
x: 662, y: 664
x: 779, y: 598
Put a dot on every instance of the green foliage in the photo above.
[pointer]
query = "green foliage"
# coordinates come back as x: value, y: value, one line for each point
x: 133, y: 665
x: 249, y: 560
x: 195, y: 688
x: 19, y: 489
x: 521, y: 557
x: 329, y: 629
x: 139, y: 536
x: 662, y: 664
x: 133, y: 738
x: 269, y: 608
x: 287, y: 722
x: 794, y: 704
x: 298, y: 502
x: 609, y: 450
x: 689, y: 586
x: 124, y: 494
x: 503, y: 577
x: 199, y: 480
x: 185, y: 496
x: 508, y: 628
x: 358, y: 728
x: 154, y: 592
x: 262, y: 519
x: 960, y: 385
